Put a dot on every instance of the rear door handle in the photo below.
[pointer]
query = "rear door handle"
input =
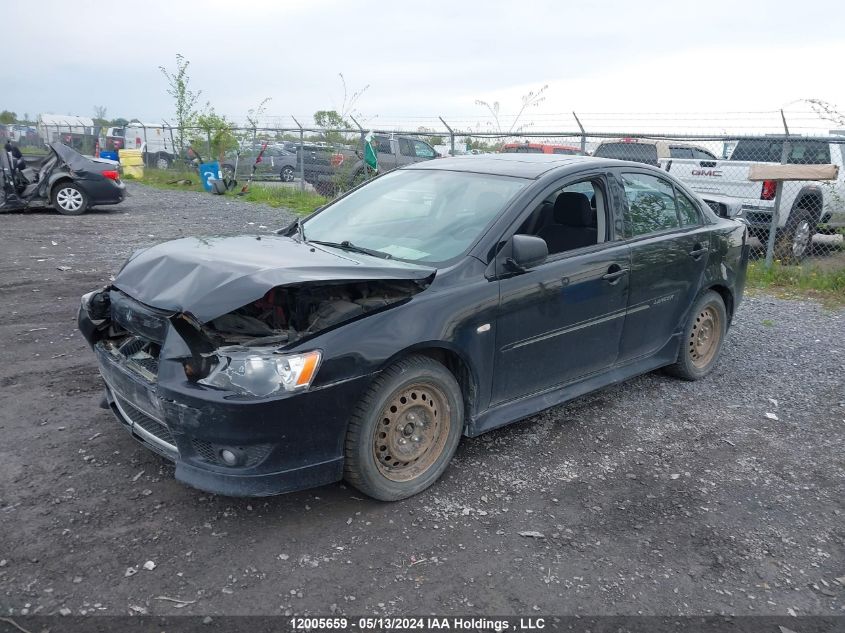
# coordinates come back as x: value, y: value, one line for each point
x: 614, y: 273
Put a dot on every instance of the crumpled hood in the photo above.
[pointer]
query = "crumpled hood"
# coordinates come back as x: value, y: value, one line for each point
x: 212, y: 276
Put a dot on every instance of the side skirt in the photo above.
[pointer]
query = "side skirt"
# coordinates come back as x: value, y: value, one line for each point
x: 526, y: 406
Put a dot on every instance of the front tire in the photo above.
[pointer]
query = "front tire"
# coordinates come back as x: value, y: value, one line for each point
x: 162, y: 162
x: 704, y: 335
x: 70, y: 199
x: 287, y: 174
x: 405, y: 430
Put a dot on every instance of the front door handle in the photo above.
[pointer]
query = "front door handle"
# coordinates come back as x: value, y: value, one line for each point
x: 697, y: 251
x: 614, y: 273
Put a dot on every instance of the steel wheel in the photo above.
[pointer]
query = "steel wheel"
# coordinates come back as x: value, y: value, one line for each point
x: 287, y: 174
x: 412, y: 433
x: 704, y: 337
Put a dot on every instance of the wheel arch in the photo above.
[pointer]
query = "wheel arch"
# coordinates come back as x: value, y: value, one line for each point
x: 811, y: 199
x: 727, y: 297
x: 60, y: 178
x: 457, y: 364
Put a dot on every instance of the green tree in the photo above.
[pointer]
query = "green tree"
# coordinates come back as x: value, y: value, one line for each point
x: 330, y: 121
x: 119, y: 122
x: 219, y: 133
x: 184, y: 99
x: 8, y: 117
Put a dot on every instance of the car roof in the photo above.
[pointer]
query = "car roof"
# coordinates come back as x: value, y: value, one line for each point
x: 520, y: 165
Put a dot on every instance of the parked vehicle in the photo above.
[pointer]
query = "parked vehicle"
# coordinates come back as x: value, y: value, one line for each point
x: 334, y: 169
x: 650, y: 152
x: 157, y: 142
x: 443, y: 299
x: 276, y: 162
x: 805, y: 206
x: 540, y: 148
x: 65, y: 180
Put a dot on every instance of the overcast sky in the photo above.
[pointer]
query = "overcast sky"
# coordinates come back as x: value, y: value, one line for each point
x: 424, y: 58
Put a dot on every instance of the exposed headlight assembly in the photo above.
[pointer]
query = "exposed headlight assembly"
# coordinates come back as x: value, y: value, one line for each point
x: 262, y: 372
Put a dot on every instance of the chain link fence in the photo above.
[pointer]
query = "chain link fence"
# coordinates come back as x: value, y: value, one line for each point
x: 790, y: 189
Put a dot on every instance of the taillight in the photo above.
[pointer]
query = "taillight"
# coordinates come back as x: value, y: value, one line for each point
x: 111, y: 174
x: 336, y: 160
x: 770, y: 187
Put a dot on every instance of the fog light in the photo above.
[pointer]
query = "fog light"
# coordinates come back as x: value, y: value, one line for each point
x: 230, y: 458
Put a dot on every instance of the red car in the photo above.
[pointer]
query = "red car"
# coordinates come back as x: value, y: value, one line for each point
x: 540, y: 148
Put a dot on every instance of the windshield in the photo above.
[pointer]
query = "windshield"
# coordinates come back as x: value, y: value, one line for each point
x: 420, y: 215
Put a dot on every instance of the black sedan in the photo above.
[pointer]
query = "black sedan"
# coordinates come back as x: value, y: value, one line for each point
x: 65, y: 180
x: 443, y: 299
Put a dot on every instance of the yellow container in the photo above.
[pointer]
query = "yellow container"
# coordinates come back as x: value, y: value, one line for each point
x: 133, y: 171
x: 131, y: 157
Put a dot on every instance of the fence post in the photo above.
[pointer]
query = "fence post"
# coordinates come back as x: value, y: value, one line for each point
x: 583, y: 135
x: 363, y: 147
x: 773, y: 227
x: 451, y: 135
x: 301, y: 154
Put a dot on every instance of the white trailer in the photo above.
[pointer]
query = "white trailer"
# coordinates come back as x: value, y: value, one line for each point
x: 52, y: 127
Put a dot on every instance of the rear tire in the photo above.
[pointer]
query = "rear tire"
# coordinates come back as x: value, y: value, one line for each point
x: 69, y: 199
x: 162, y: 162
x: 703, y: 337
x: 793, y: 242
x: 404, y: 430
x: 287, y: 174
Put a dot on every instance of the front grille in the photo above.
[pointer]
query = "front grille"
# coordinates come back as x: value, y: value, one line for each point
x: 150, y: 428
x: 209, y: 452
x: 140, y: 354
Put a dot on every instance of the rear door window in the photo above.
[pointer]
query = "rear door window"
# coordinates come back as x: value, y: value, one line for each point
x: 405, y: 147
x: 702, y: 154
x: 687, y: 211
x: 651, y: 205
x: 680, y: 152
x: 383, y: 145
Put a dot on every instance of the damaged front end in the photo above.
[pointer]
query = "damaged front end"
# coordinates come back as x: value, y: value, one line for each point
x: 243, y: 351
x: 212, y: 355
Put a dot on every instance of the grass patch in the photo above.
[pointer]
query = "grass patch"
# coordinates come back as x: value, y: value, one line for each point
x: 827, y: 284
x: 169, y: 179
x: 301, y: 202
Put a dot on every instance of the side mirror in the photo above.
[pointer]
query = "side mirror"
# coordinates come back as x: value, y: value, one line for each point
x: 527, y: 251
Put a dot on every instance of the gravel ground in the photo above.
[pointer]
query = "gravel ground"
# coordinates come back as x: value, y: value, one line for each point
x: 655, y: 497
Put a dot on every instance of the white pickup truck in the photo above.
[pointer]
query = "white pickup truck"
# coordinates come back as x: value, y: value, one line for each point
x: 806, y: 207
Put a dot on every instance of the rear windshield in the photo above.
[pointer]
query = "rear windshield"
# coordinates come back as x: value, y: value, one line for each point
x: 769, y: 151
x: 637, y: 152
x: 522, y: 149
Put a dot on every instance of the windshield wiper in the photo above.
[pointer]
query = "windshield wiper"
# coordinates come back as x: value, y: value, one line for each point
x: 346, y: 245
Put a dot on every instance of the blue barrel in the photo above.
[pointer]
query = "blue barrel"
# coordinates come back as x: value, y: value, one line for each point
x: 209, y: 171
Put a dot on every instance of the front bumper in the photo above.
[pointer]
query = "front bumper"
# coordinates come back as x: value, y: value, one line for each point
x: 285, y: 443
